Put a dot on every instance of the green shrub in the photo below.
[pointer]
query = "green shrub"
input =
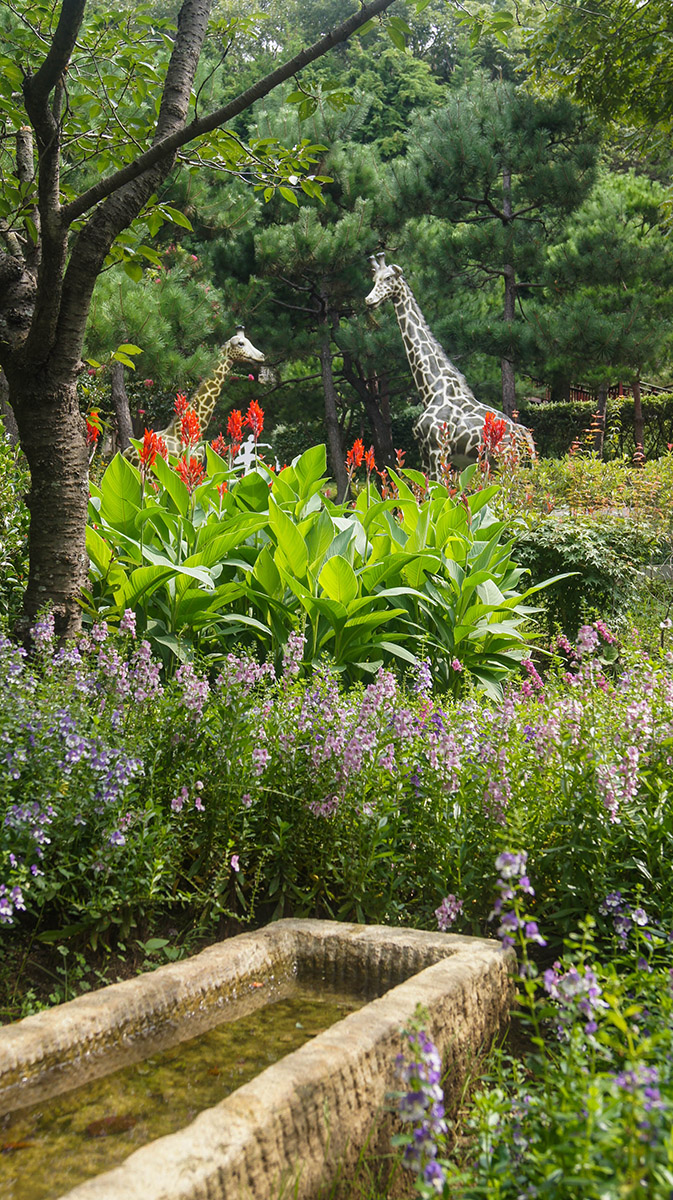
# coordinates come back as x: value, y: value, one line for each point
x: 378, y: 582
x: 605, y: 556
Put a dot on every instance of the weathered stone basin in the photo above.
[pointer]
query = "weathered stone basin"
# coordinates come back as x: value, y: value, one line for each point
x: 305, y: 1118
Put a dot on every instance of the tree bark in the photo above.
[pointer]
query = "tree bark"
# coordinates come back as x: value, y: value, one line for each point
x: 120, y: 403
x: 638, y: 423
x: 53, y: 440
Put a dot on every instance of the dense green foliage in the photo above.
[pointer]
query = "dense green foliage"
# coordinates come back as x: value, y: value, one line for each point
x: 138, y: 802
x: 250, y: 560
x: 556, y: 426
x: 13, y: 530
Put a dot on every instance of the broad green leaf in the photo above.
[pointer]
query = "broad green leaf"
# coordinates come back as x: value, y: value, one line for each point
x: 489, y: 592
x: 267, y: 574
x: 290, y: 542
x: 98, y: 550
x: 121, y: 495
x: 141, y: 581
x: 173, y: 484
x: 177, y: 217
x: 398, y: 651
x: 319, y: 536
x: 338, y: 580
x: 252, y: 493
x: 310, y: 468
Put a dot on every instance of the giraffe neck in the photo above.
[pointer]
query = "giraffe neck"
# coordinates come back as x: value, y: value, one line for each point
x: 204, y: 399
x: 429, y: 363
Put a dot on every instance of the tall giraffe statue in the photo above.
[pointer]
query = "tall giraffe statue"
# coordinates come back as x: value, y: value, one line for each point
x: 237, y: 349
x: 451, y: 425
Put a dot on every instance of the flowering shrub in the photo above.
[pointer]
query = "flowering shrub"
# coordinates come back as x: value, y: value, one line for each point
x: 145, y: 789
x: 209, y: 560
x: 586, y: 1108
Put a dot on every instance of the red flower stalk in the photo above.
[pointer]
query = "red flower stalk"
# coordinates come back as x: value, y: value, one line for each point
x: 180, y: 406
x: 370, y: 462
x: 235, y: 426
x: 254, y: 418
x: 355, y: 455
x: 493, y: 432
x: 152, y: 445
x: 222, y: 488
x: 400, y: 456
x: 190, y: 428
x: 220, y: 446
x: 93, y: 427
x: 191, y: 473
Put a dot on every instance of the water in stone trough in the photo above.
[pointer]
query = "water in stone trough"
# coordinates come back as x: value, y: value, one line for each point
x: 51, y: 1147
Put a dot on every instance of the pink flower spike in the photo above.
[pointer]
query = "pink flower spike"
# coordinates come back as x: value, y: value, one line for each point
x: 234, y: 863
x: 456, y: 665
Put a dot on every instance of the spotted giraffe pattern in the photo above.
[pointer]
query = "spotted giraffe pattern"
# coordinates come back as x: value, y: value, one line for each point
x: 237, y: 349
x: 450, y: 427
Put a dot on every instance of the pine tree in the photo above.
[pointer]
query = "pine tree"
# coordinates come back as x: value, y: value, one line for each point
x: 499, y: 170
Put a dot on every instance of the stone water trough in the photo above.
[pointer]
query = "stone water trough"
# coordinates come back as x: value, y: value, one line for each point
x: 303, y: 1121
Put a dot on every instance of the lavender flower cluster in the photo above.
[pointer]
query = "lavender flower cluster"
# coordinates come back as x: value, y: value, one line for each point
x: 422, y: 1106
x: 575, y: 992
x: 512, y: 884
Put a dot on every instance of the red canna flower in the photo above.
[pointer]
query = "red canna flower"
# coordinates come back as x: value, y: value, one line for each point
x: 235, y: 425
x: 93, y: 427
x: 152, y: 445
x: 355, y: 455
x: 222, y: 488
x: 190, y: 428
x: 369, y: 460
x: 254, y: 418
x: 180, y: 406
x: 493, y: 432
x: 191, y: 473
x: 220, y: 446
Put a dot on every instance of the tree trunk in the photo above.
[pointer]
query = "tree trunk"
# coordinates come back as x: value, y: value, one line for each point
x: 334, y: 440
x: 120, y: 403
x: 52, y: 438
x: 508, y: 386
x: 377, y: 410
x: 601, y: 410
x: 638, y: 423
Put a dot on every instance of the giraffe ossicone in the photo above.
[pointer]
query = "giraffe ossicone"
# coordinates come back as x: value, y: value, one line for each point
x: 237, y: 349
x: 451, y: 424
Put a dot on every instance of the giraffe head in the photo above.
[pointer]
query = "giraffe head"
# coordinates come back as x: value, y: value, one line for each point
x: 242, y: 350
x: 386, y: 280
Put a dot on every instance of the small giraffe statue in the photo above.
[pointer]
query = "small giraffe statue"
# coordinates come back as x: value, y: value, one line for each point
x: 237, y: 349
x: 451, y: 425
